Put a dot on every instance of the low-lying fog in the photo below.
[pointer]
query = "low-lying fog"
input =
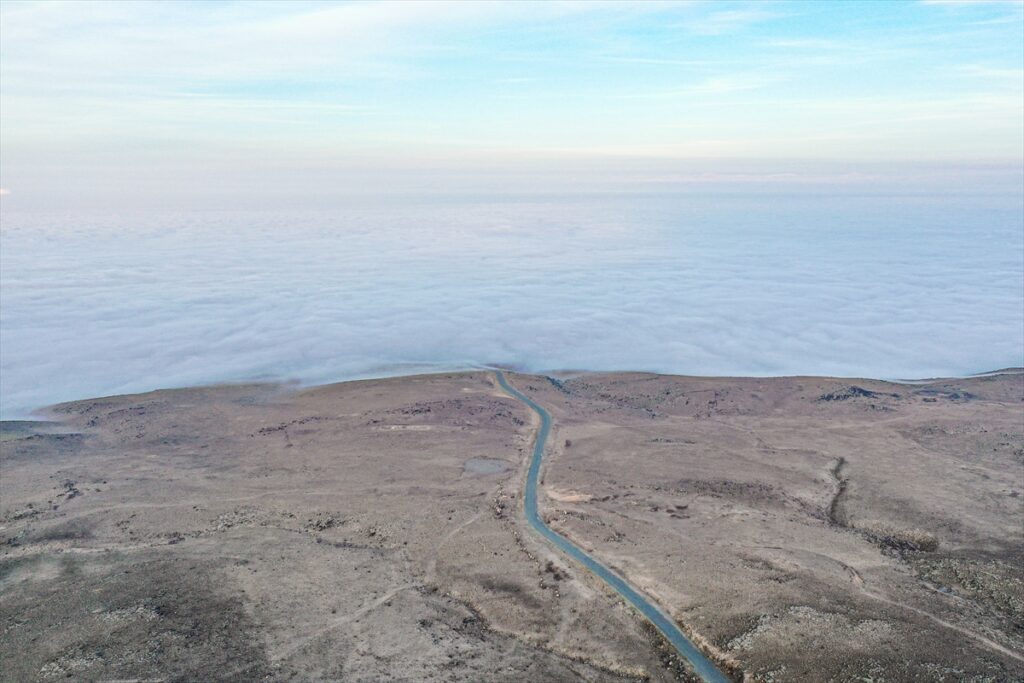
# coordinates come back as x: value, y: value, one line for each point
x: 732, y: 283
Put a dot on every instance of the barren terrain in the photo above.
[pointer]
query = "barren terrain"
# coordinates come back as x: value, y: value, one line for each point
x: 799, y: 529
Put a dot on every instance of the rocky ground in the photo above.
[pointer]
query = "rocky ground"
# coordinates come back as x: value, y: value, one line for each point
x: 801, y: 529
x: 808, y: 529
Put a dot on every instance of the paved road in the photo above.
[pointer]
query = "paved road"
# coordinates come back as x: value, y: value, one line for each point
x: 701, y: 664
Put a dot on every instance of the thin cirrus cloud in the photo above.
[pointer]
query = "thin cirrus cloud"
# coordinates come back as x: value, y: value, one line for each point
x: 729, y: 21
x: 92, y: 88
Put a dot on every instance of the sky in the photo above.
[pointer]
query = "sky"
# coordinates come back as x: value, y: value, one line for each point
x: 240, y: 103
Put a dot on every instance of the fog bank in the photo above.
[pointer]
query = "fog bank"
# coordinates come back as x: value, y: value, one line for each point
x: 736, y: 283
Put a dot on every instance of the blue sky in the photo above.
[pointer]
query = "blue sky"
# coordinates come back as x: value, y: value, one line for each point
x: 105, y: 95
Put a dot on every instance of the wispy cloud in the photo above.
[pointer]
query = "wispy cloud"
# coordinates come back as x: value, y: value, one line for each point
x: 1014, y: 76
x: 729, y: 21
x: 971, y: 2
x: 120, y: 91
x: 735, y: 83
x: 721, y: 84
x: 807, y: 43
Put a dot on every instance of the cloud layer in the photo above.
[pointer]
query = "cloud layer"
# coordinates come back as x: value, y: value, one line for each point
x: 698, y: 283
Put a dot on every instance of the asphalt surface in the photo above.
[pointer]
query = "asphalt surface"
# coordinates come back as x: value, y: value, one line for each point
x: 701, y: 664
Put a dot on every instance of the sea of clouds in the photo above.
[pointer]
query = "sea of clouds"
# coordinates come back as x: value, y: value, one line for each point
x: 709, y: 284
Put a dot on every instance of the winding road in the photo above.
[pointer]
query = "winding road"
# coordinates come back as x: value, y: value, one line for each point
x: 661, y: 621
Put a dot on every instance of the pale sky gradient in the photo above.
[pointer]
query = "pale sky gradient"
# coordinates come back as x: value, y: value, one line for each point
x: 126, y: 100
